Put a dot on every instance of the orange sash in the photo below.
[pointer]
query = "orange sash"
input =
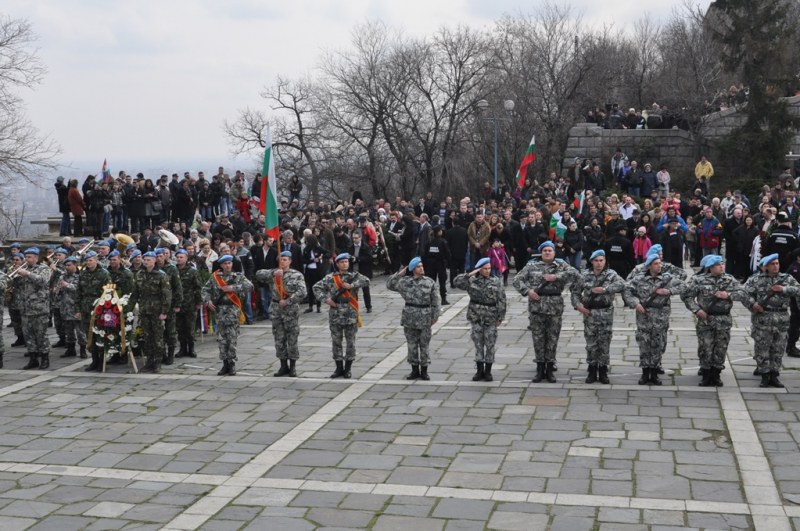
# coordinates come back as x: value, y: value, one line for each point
x: 234, y: 298
x: 337, y: 280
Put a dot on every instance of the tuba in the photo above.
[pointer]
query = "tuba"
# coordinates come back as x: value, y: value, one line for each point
x: 123, y: 240
x: 167, y: 239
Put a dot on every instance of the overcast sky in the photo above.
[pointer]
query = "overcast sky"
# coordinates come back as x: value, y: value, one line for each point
x: 153, y: 80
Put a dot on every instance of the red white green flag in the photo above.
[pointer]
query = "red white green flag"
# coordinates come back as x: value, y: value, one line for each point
x: 268, y: 204
x: 527, y: 160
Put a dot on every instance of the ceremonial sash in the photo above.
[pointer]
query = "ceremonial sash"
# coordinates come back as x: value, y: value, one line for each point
x: 234, y: 298
x: 351, y: 300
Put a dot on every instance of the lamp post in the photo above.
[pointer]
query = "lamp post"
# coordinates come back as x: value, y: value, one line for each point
x: 483, y: 105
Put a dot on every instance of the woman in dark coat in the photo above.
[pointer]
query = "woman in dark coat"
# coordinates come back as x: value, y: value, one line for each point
x: 744, y: 235
x: 315, y: 258
x: 76, y: 206
x: 136, y: 207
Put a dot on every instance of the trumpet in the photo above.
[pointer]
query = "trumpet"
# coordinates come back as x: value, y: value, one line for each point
x: 14, y: 273
x: 85, y: 248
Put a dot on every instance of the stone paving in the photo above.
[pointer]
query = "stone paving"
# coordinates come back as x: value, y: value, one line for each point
x: 189, y: 450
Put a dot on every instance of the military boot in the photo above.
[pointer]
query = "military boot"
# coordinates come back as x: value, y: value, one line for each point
x: 348, y: 364
x: 292, y: 372
x: 225, y: 368
x: 190, y: 348
x: 792, y: 351
x: 550, y: 374
x: 232, y: 368
x: 423, y: 373
x: 592, y: 376
x: 756, y: 371
x: 339, y: 369
x: 708, y: 378
x: 45, y: 363
x: 70, y: 352
x: 645, y: 376
x: 539, y: 372
x: 170, y: 357
x: 62, y: 342
x: 19, y: 342
x: 33, y: 362
x: 716, y: 379
x: 414, y: 374
x: 284, y: 370
x: 156, y: 364
x: 83, y: 352
x: 182, y: 351
x: 487, y: 372
x: 479, y: 373
x: 659, y: 370
x: 603, y: 375
x: 1, y: 360
x: 654, y: 379
x: 773, y: 380
x: 765, y: 378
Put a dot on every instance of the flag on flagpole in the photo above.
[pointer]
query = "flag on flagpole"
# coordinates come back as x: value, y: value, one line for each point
x: 527, y: 160
x: 268, y: 204
x: 106, y: 173
x: 578, y: 202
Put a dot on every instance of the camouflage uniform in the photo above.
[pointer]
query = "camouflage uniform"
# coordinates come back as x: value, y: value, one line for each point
x: 651, y: 327
x: 90, y: 287
x: 419, y: 313
x: 67, y: 301
x: 227, y: 312
x: 35, y: 310
x: 714, y: 333
x: 487, y: 307
x: 55, y: 310
x: 152, y: 292
x: 170, y: 332
x: 342, y: 319
x: 676, y: 272
x: 185, y: 319
x: 770, y: 330
x: 14, y: 303
x: 122, y: 278
x: 3, y: 285
x: 597, y: 327
x: 545, y: 314
x: 285, y: 325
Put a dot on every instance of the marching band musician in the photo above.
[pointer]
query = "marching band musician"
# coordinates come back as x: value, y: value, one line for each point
x: 35, y: 309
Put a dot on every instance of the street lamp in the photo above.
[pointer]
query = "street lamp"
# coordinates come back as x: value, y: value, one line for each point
x: 483, y: 105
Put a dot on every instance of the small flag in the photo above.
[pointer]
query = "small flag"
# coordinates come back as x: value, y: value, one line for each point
x: 106, y: 173
x: 527, y: 160
x: 268, y: 204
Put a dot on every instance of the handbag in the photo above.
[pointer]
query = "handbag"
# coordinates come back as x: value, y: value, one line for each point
x: 108, y: 208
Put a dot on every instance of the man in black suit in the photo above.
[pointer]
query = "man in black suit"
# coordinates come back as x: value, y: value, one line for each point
x: 265, y: 256
x: 361, y: 262
x: 424, y: 236
x: 294, y: 248
x: 456, y: 238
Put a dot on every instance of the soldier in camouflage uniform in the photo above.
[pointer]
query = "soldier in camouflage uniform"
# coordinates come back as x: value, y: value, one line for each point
x: 486, y: 310
x: 420, y: 313
x: 3, y: 286
x: 648, y: 293
x: 339, y: 291
x: 13, y: 301
x: 152, y: 291
x: 192, y: 299
x: 170, y: 332
x: 57, y: 271
x: 90, y: 286
x: 769, y: 293
x: 666, y: 267
x: 122, y: 278
x: 593, y: 297
x: 287, y: 289
x: 34, y: 293
x: 103, y: 250
x: 542, y: 282
x: 66, y: 292
x: 216, y: 296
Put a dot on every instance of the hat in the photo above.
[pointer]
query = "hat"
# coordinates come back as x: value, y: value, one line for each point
x: 343, y: 256
x: 136, y: 253
x: 149, y: 254
x: 130, y: 246
x: 641, y: 230
x: 572, y: 222
x: 225, y: 258
x: 18, y: 245
x: 711, y: 260
x: 18, y: 255
x: 287, y: 253
x: 82, y: 240
x: 412, y: 265
x: 61, y: 250
x: 655, y: 249
x: 482, y: 262
x: 159, y: 250
x: 597, y: 254
x: 631, y: 110
x: 548, y: 243
x: 32, y: 250
x: 103, y: 243
x: 113, y: 253
x: 181, y: 251
x: 71, y: 259
x: 783, y: 217
x: 767, y: 259
x: 650, y: 259
x: 60, y: 179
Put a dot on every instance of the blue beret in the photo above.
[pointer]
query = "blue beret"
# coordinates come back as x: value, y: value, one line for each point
x: 84, y: 240
x: 597, y: 253
x: 149, y: 254
x: 18, y: 255
x: 412, y: 265
x: 90, y: 254
x: 130, y: 246
x: 482, y: 262
x: 103, y: 243
x: 113, y: 253
x: 61, y: 250
x: 16, y: 245
x: 71, y: 259
x: 225, y: 258
x: 32, y: 250
x: 287, y: 254
x: 655, y: 249
x: 712, y: 260
x: 343, y: 256
x: 704, y: 261
x: 767, y: 259
x: 650, y: 259
x: 548, y: 243
x: 159, y: 250
x: 136, y: 253
x: 181, y: 251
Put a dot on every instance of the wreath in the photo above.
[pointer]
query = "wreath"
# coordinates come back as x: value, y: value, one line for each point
x: 110, y: 323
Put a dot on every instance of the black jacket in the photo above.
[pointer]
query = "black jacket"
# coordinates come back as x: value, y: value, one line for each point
x: 364, y: 260
x: 63, y: 203
x: 264, y: 259
x: 457, y: 240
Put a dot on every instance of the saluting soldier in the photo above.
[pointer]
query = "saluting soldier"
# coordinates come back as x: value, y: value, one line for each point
x: 769, y: 293
x: 224, y: 293
x: 57, y: 271
x: 35, y: 309
x: 66, y: 293
x: 170, y: 332
x: 287, y: 290
x: 420, y: 313
x: 710, y: 295
x: 649, y: 294
x: 122, y: 278
x: 90, y: 286
x: 192, y: 300
x: 151, y: 290
x: 593, y: 297
x: 339, y: 290
x: 486, y: 310
x: 542, y: 282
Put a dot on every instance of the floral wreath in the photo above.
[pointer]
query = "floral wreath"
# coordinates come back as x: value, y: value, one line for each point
x: 110, y: 324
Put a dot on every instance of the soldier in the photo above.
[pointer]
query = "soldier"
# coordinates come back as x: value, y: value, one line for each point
x: 666, y: 267
x: 339, y: 290
x: 66, y: 293
x: 35, y: 309
x: 170, y: 332
x: 420, y: 313
x: 223, y: 293
x: 287, y: 290
x: 768, y: 293
x: 542, y: 282
x: 648, y: 293
x: 593, y: 297
x: 3, y: 285
x: 710, y: 296
x: 122, y: 278
x: 794, y: 313
x: 486, y: 310
x: 192, y: 299
x: 152, y: 291
x: 90, y: 286
x: 103, y: 250
x: 57, y: 271
x: 136, y: 262
x: 13, y: 300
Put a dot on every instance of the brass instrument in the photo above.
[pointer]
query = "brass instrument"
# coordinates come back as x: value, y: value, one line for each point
x: 85, y: 248
x: 123, y: 240
x: 14, y: 273
x: 167, y: 238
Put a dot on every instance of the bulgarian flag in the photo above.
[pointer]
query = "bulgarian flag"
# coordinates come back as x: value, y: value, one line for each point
x: 268, y: 204
x: 106, y: 172
x: 527, y: 160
